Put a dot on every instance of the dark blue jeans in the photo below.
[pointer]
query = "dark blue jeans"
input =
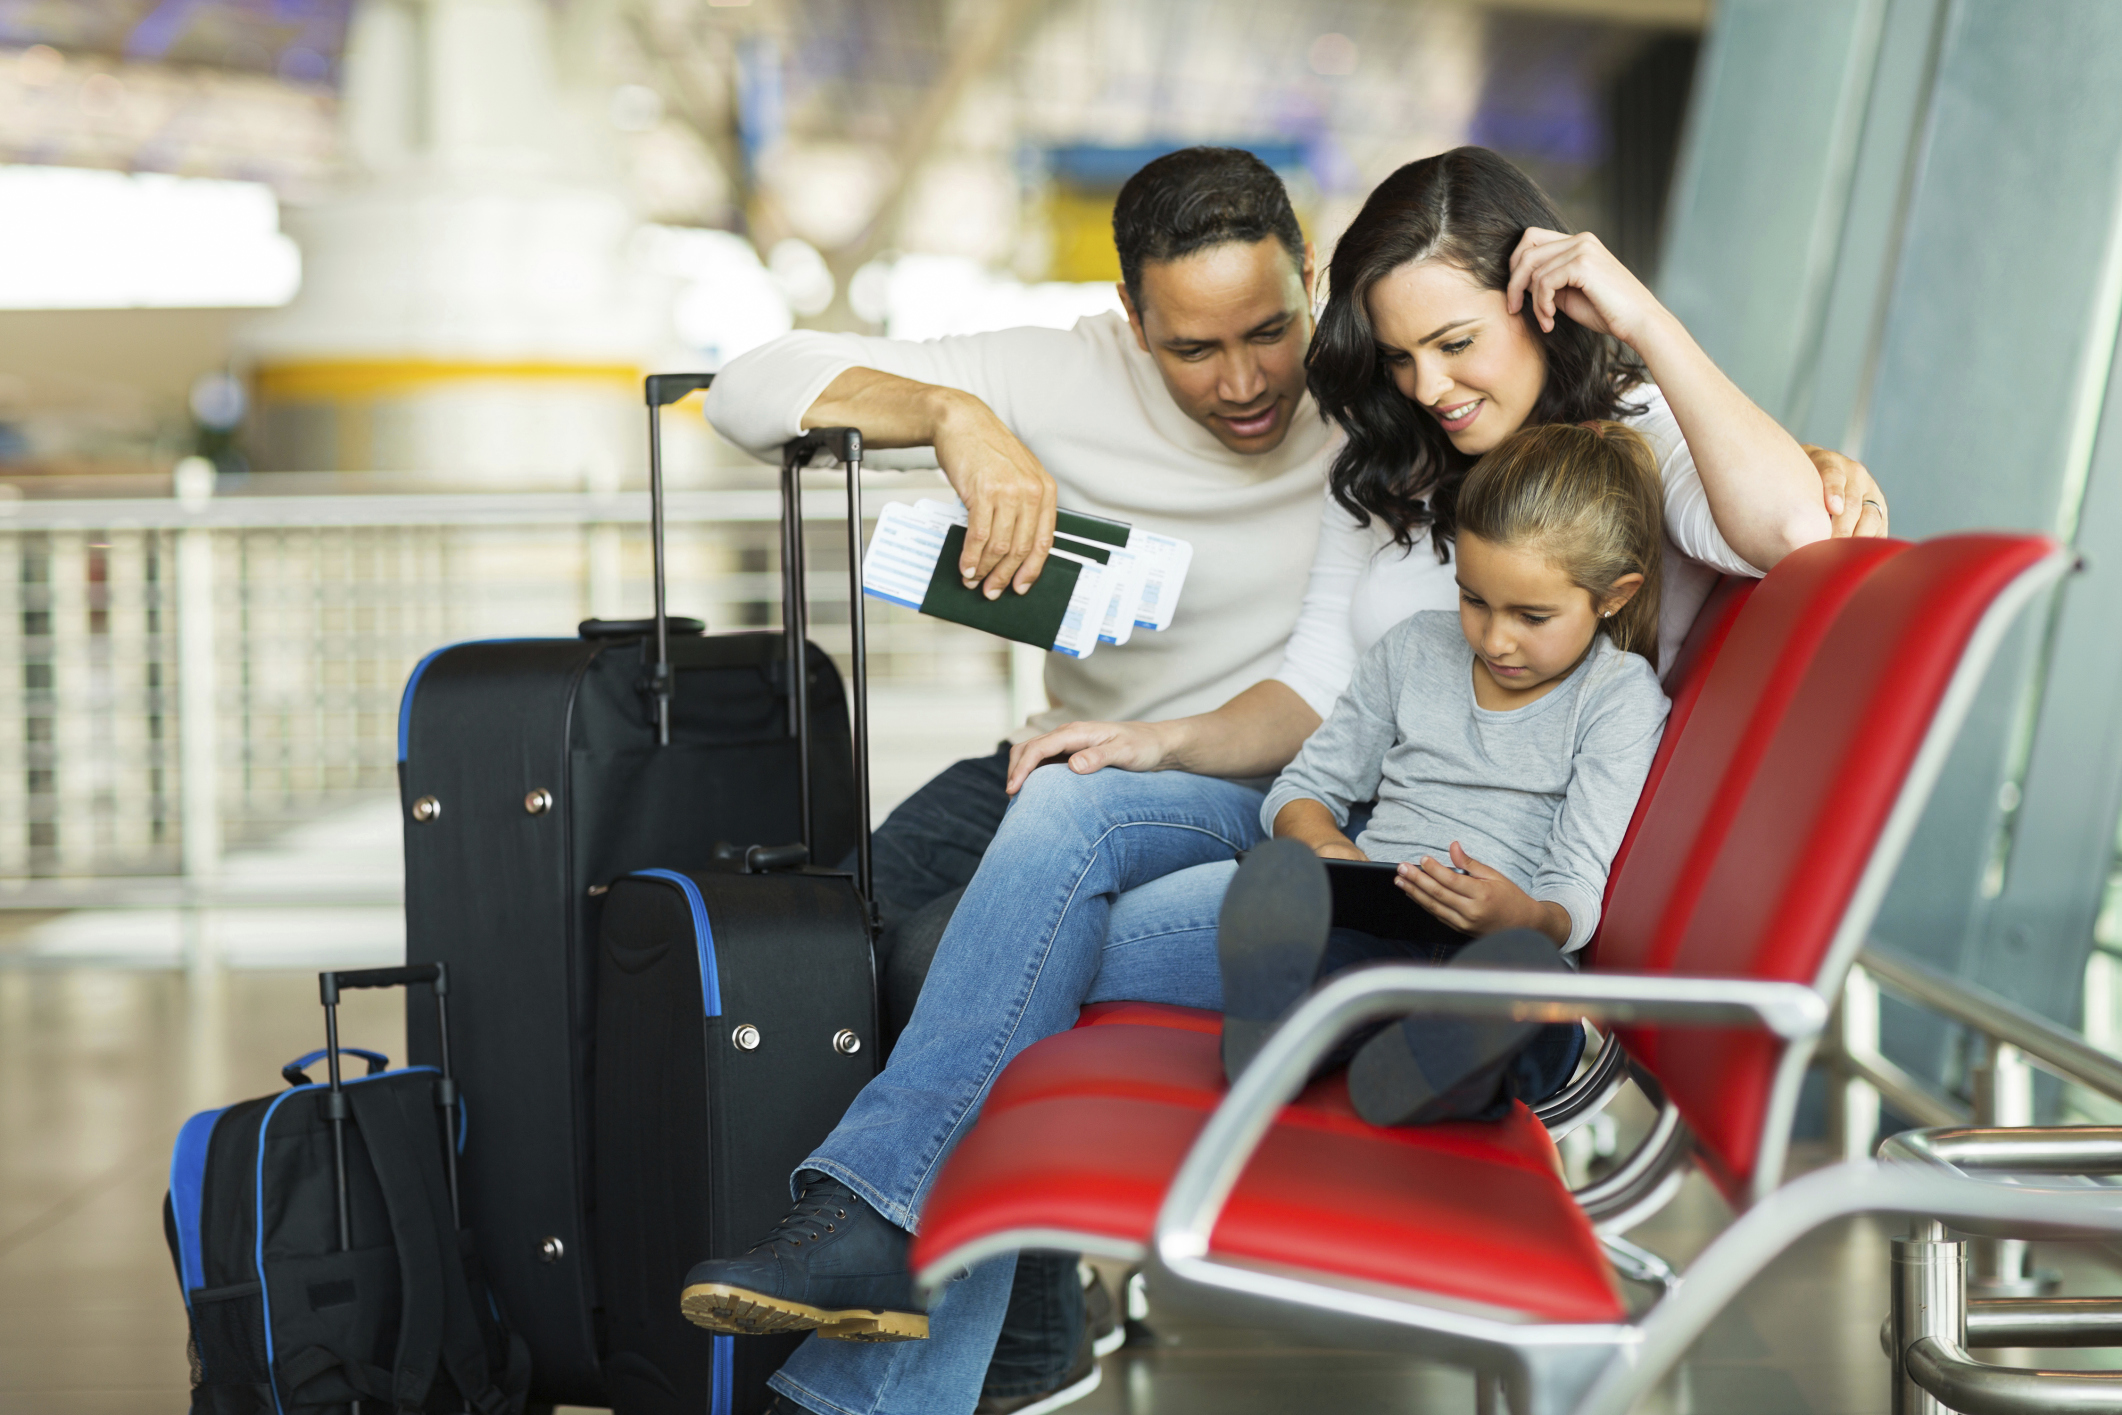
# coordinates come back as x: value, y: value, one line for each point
x: 922, y: 858
x: 1537, y: 1072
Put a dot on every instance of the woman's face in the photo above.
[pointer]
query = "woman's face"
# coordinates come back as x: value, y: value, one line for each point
x: 1454, y: 349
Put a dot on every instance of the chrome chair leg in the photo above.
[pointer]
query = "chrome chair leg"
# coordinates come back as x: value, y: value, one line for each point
x: 1929, y: 1300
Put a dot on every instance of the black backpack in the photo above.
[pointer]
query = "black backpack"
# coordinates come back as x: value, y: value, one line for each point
x: 317, y: 1242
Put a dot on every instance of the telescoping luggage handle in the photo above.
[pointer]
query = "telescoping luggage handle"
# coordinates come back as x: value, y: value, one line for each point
x: 845, y: 444
x: 329, y: 986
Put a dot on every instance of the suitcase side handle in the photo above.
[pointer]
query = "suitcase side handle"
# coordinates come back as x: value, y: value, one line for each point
x: 294, y: 1071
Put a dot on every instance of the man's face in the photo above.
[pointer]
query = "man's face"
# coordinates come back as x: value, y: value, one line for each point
x: 1228, y: 327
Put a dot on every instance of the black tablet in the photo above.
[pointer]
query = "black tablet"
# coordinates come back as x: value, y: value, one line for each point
x: 1366, y: 898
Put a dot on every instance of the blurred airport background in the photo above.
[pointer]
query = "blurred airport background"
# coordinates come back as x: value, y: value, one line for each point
x: 321, y: 325
x: 381, y: 278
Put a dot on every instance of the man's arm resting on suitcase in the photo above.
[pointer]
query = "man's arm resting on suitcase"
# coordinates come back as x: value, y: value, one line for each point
x: 1009, y: 498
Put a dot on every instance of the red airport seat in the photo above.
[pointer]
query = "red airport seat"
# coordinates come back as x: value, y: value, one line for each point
x: 1753, y: 869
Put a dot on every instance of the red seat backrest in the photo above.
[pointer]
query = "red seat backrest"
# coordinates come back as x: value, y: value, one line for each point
x: 1710, y: 753
x: 1773, y: 867
x: 1683, y: 684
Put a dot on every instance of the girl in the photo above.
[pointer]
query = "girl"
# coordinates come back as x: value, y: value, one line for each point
x: 1511, y: 741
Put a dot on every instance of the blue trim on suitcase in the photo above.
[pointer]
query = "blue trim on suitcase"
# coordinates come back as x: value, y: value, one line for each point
x: 725, y: 1367
x: 265, y: 1128
x: 710, y: 981
x: 405, y: 700
x: 187, y: 1191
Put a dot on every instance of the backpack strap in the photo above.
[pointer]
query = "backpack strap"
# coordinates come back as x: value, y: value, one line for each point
x: 404, y: 1153
x: 439, y: 1324
x: 305, y: 1366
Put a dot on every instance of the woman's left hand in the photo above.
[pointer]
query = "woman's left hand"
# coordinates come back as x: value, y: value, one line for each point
x: 1581, y: 278
x: 1479, y: 902
x: 1856, y: 506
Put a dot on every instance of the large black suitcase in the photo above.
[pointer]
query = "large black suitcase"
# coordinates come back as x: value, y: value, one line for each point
x: 533, y: 773
x: 736, y: 1018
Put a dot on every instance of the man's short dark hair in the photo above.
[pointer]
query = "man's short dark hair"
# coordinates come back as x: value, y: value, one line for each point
x: 1198, y: 197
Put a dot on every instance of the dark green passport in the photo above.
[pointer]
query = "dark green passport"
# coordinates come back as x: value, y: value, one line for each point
x: 1033, y: 618
x: 1082, y: 527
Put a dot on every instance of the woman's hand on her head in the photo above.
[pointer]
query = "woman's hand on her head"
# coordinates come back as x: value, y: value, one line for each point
x: 1855, y: 504
x: 1482, y: 900
x: 1578, y: 276
x: 1088, y: 746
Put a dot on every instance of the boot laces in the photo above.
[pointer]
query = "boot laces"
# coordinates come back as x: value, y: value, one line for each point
x: 810, y: 1219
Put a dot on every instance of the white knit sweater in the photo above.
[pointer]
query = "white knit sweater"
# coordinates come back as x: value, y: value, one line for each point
x: 1091, y: 406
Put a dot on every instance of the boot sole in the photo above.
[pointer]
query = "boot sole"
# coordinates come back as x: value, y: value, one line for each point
x: 739, y: 1311
x: 1270, y: 935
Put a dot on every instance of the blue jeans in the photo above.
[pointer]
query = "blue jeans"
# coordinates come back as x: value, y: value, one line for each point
x: 1036, y: 936
x: 932, y: 842
x: 1100, y: 888
x: 925, y: 853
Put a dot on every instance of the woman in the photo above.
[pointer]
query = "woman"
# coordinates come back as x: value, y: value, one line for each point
x: 1457, y: 313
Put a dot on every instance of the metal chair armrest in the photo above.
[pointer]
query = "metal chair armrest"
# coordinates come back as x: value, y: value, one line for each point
x: 1362, y: 995
x: 1769, y: 1227
x: 2055, y: 1149
x: 1588, y: 1093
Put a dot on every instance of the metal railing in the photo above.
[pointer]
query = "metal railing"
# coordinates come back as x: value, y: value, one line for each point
x: 178, y: 678
x: 1950, y: 1293
x: 2012, y: 1043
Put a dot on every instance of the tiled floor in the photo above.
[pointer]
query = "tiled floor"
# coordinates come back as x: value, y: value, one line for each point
x: 98, y: 1068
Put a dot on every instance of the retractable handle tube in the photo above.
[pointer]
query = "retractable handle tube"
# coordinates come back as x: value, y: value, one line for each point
x: 844, y: 444
x: 662, y: 389
x: 329, y: 986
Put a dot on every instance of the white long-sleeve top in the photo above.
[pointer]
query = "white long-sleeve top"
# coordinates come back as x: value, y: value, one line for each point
x: 1093, y: 409
x: 1542, y: 793
x: 1362, y: 584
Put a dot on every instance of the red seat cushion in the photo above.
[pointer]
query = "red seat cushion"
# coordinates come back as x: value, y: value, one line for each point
x: 1083, y: 1134
x: 1151, y: 1014
x: 1161, y: 1052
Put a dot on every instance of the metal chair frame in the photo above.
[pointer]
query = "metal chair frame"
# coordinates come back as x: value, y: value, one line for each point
x: 1933, y: 1321
x: 1547, y: 1368
x: 1543, y: 1367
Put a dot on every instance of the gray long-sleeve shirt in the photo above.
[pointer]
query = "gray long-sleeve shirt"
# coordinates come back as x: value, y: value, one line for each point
x: 1542, y: 793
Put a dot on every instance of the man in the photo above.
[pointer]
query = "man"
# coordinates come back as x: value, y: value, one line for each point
x: 1188, y: 417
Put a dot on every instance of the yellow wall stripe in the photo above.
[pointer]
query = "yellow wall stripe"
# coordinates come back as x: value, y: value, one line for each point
x: 342, y: 380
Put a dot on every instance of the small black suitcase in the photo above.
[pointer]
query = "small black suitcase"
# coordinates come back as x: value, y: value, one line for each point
x: 736, y: 1021
x: 534, y: 772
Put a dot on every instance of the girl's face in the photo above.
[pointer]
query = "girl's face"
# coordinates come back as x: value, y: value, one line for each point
x: 1527, y: 622
x: 1454, y: 349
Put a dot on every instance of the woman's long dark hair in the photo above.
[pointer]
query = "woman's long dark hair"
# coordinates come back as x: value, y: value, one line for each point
x: 1468, y: 208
